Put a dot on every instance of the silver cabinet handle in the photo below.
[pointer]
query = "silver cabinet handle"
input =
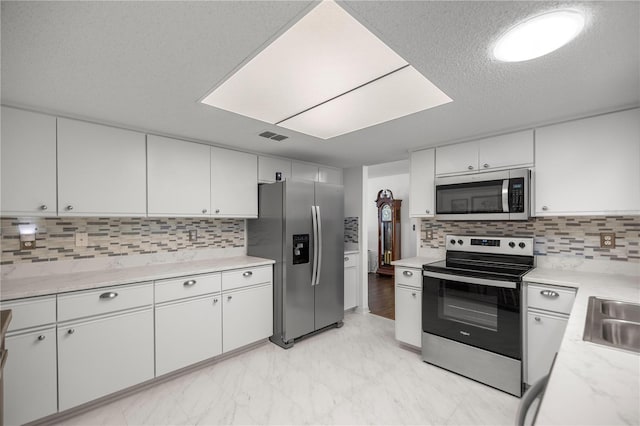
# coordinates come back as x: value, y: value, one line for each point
x: 189, y: 283
x: 71, y: 331
x: 247, y: 274
x: 217, y: 210
x: 427, y: 211
x: 346, y: 259
x: 109, y: 295
x: 215, y: 300
x: 204, y: 211
x: 413, y: 294
x: 69, y: 207
x: 545, y: 208
x: 229, y: 297
x: 43, y: 207
x: 42, y: 337
x: 407, y: 273
x: 549, y: 293
x: 470, y: 167
x: 537, y: 319
x: 485, y: 165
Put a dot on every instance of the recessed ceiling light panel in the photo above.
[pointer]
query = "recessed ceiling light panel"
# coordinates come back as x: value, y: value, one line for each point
x: 402, y: 93
x: 539, y: 35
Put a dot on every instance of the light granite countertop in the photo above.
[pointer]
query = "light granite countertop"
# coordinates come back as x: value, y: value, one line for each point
x: 590, y: 384
x: 415, y: 262
x: 17, y: 288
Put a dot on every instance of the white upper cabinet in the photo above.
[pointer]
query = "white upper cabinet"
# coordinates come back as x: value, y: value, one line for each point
x: 499, y: 152
x: 28, y: 163
x: 421, y: 183
x: 179, y: 177
x: 269, y: 166
x: 330, y: 175
x: 101, y: 170
x: 234, y: 183
x: 302, y: 171
x: 589, y: 166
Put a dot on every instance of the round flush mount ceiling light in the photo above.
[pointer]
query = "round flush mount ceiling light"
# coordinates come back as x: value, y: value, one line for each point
x: 539, y: 35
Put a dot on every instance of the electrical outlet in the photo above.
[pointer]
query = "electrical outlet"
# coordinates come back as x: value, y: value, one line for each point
x: 193, y: 235
x: 429, y: 234
x: 82, y: 239
x: 607, y: 240
x: 27, y: 245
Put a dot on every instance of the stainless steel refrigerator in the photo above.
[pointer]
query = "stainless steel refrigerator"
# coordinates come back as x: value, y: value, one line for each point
x: 301, y: 227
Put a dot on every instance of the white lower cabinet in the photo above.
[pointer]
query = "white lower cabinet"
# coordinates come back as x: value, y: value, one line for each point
x: 30, y: 381
x: 545, y: 333
x: 100, y: 356
x: 247, y: 316
x: 350, y: 281
x: 409, y: 315
x: 187, y: 332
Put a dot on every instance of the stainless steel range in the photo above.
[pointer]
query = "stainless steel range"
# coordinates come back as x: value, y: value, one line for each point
x: 471, y: 309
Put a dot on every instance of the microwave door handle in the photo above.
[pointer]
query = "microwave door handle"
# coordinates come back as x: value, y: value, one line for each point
x: 505, y: 196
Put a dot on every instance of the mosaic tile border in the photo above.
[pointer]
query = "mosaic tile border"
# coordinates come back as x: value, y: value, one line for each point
x: 351, y: 225
x: 553, y: 236
x: 109, y: 237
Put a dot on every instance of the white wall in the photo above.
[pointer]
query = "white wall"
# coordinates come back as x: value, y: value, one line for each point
x: 354, y: 181
x: 399, y: 185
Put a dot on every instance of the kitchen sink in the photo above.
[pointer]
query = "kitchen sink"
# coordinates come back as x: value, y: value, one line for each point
x: 613, y: 323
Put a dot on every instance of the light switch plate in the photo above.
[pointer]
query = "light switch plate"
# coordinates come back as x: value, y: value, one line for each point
x: 82, y: 239
x: 607, y: 240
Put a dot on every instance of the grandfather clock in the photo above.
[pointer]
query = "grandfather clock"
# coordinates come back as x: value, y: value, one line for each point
x: 388, y: 231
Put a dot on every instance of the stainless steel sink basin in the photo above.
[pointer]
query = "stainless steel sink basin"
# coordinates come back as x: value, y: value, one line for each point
x: 621, y: 310
x: 613, y: 323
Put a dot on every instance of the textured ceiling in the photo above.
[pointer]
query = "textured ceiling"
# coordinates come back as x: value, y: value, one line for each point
x: 144, y: 65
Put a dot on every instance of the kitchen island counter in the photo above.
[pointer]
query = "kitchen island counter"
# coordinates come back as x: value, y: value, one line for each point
x: 590, y: 384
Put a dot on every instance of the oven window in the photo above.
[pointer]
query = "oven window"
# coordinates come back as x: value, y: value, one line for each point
x: 470, y: 307
x: 473, y: 197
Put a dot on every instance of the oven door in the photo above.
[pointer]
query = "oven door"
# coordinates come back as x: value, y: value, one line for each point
x: 475, y: 311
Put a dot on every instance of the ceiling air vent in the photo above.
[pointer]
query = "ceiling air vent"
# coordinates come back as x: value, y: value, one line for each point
x: 274, y: 136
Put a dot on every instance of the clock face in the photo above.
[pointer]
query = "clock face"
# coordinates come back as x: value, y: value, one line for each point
x: 386, y: 213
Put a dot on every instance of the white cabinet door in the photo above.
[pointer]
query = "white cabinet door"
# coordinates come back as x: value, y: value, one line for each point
x: 301, y: 171
x: 101, y: 170
x: 234, y: 183
x: 350, y: 281
x: 187, y: 332
x: 458, y: 158
x: 421, y: 183
x: 28, y: 163
x: 30, y: 381
x: 589, y: 166
x: 329, y: 175
x: 99, y: 356
x: 269, y: 166
x: 247, y: 316
x: 544, y: 335
x: 511, y: 150
x: 409, y: 316
x: 179, y: 177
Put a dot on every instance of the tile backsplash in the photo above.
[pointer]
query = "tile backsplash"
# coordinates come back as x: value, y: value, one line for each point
x: 350, y: 229
x: 577, y: 236
x: 109, y: 237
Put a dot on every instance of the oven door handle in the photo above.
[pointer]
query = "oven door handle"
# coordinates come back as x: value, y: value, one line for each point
x: 470, y: 280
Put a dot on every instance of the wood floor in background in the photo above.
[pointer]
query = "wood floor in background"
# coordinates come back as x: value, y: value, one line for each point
x: 382, y: 299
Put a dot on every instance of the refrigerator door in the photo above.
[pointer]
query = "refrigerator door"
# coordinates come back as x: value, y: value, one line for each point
x: 298, y: 297
x: 329, y: 290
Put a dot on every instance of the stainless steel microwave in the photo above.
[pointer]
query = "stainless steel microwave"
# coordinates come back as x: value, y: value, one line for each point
x: 500, y: 195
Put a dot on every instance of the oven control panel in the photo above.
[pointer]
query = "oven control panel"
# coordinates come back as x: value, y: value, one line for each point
x: 522, y: 246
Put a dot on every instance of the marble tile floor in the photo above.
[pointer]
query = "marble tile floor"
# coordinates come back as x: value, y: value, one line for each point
x: 355, y: 375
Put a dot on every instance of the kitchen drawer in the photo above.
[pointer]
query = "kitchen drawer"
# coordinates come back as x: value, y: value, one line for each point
x: 31, y: 312
x: 95, y: 302
x: 350, y: 260
x: 246, y: 277
x: 550, y: 298
x: 194, y: 285
x: 411, y: 277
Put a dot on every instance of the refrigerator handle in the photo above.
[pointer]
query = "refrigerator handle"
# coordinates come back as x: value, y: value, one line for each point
x: 319, y: 268
x: 314, y: 221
